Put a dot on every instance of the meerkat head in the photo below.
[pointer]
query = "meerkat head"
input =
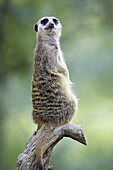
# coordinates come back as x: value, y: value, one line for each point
x: 48, y: 27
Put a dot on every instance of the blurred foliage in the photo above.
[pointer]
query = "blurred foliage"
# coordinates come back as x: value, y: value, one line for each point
x: 87, y: 43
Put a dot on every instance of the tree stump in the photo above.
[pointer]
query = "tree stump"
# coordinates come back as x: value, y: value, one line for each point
x: 27, y: 159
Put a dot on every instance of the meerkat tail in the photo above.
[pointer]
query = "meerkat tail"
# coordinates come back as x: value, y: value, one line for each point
x: 45, y: 134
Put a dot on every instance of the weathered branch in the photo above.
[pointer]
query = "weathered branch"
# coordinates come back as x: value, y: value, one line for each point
x: 27, y: 159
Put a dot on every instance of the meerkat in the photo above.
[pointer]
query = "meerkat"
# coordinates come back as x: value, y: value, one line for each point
x: 53, y: 100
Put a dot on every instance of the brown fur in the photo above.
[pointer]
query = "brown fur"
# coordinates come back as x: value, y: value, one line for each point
x: 53, y: 100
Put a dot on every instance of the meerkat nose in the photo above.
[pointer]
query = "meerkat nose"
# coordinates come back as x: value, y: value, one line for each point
x: 51, y: 25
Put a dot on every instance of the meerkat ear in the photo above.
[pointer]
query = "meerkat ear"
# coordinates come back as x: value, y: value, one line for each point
x: 36, y: 27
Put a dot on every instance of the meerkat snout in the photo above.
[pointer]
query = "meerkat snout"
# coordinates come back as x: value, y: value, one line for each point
x: 50, y: 26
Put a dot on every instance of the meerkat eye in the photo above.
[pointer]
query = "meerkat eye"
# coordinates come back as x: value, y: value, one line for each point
x: 55, y: 21
x: 44, y: 21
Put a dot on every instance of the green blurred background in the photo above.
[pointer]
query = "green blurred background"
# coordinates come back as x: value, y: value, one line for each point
x: 87, y: 44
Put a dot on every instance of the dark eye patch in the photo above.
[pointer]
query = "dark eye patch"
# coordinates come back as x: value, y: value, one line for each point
x: 55, y: 21
x: 44, y: 21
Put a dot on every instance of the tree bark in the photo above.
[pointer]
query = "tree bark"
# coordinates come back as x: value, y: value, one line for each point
x: 27, y: 159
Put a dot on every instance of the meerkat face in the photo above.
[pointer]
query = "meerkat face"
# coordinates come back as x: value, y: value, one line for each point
x: 48, y: 26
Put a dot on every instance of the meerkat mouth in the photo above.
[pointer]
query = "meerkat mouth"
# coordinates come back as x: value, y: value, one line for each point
x: 49, y: 28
